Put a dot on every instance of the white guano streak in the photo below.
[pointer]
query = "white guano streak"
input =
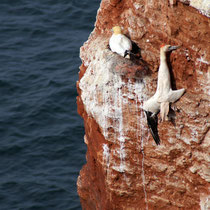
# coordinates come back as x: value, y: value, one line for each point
x: 140, y: 98
x: 106, y: 155
x: 121, y: 137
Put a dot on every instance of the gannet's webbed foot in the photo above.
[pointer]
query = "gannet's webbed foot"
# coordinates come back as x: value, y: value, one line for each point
x: 152, y: 121
x: 174, y: 107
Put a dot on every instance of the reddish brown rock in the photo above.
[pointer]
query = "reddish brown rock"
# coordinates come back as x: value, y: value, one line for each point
x: 125, y: 169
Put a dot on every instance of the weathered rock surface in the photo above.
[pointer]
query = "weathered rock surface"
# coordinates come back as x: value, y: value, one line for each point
x: 125, y: 169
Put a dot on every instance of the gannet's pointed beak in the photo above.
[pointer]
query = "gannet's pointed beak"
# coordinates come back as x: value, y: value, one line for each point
x: 171, y: 48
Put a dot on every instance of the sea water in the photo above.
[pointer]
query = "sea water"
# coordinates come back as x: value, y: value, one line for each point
x: 41, y: 134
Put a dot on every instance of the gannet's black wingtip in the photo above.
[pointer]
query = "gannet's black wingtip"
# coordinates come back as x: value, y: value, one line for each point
x: 155, y: 137
x: 128, y: 52
x: 152, y: 122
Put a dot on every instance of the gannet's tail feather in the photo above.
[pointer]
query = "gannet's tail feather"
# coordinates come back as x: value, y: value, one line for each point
x: 164, y: 110
x: 152, y: 121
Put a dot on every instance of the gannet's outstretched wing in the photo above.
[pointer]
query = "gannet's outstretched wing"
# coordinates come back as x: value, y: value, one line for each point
x: 174, y: 95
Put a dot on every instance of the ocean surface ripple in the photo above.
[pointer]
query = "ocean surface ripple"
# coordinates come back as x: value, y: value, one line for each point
x: 41, y: 146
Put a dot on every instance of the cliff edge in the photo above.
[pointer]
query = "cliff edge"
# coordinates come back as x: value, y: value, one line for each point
x: 125, y: 169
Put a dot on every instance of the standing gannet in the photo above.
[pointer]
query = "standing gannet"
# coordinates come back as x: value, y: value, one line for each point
x: 163, y: 96
x: 119, y: 43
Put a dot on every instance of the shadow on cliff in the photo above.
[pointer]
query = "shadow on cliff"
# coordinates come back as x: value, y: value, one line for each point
x: 133, y: 68
x: 172, y: 113
x: 173, y: 81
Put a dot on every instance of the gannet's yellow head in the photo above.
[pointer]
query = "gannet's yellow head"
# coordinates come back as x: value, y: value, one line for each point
x: 117, y: 30
x: 168, y: 48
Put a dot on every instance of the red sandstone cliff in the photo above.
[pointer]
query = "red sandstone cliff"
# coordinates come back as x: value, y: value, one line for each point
x: 125, y: 169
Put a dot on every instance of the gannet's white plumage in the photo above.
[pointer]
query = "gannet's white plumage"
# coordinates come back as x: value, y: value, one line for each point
x: 119, y: 43
x: 164, y: 95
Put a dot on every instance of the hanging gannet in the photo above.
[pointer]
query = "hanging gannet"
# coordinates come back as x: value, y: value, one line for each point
x: 119, y: 43
x: 163, y: 96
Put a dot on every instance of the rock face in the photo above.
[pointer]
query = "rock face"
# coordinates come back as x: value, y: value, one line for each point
x: 125, y: 169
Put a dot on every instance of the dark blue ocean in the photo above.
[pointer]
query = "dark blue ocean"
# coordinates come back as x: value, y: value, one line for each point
x: 41, y: 135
